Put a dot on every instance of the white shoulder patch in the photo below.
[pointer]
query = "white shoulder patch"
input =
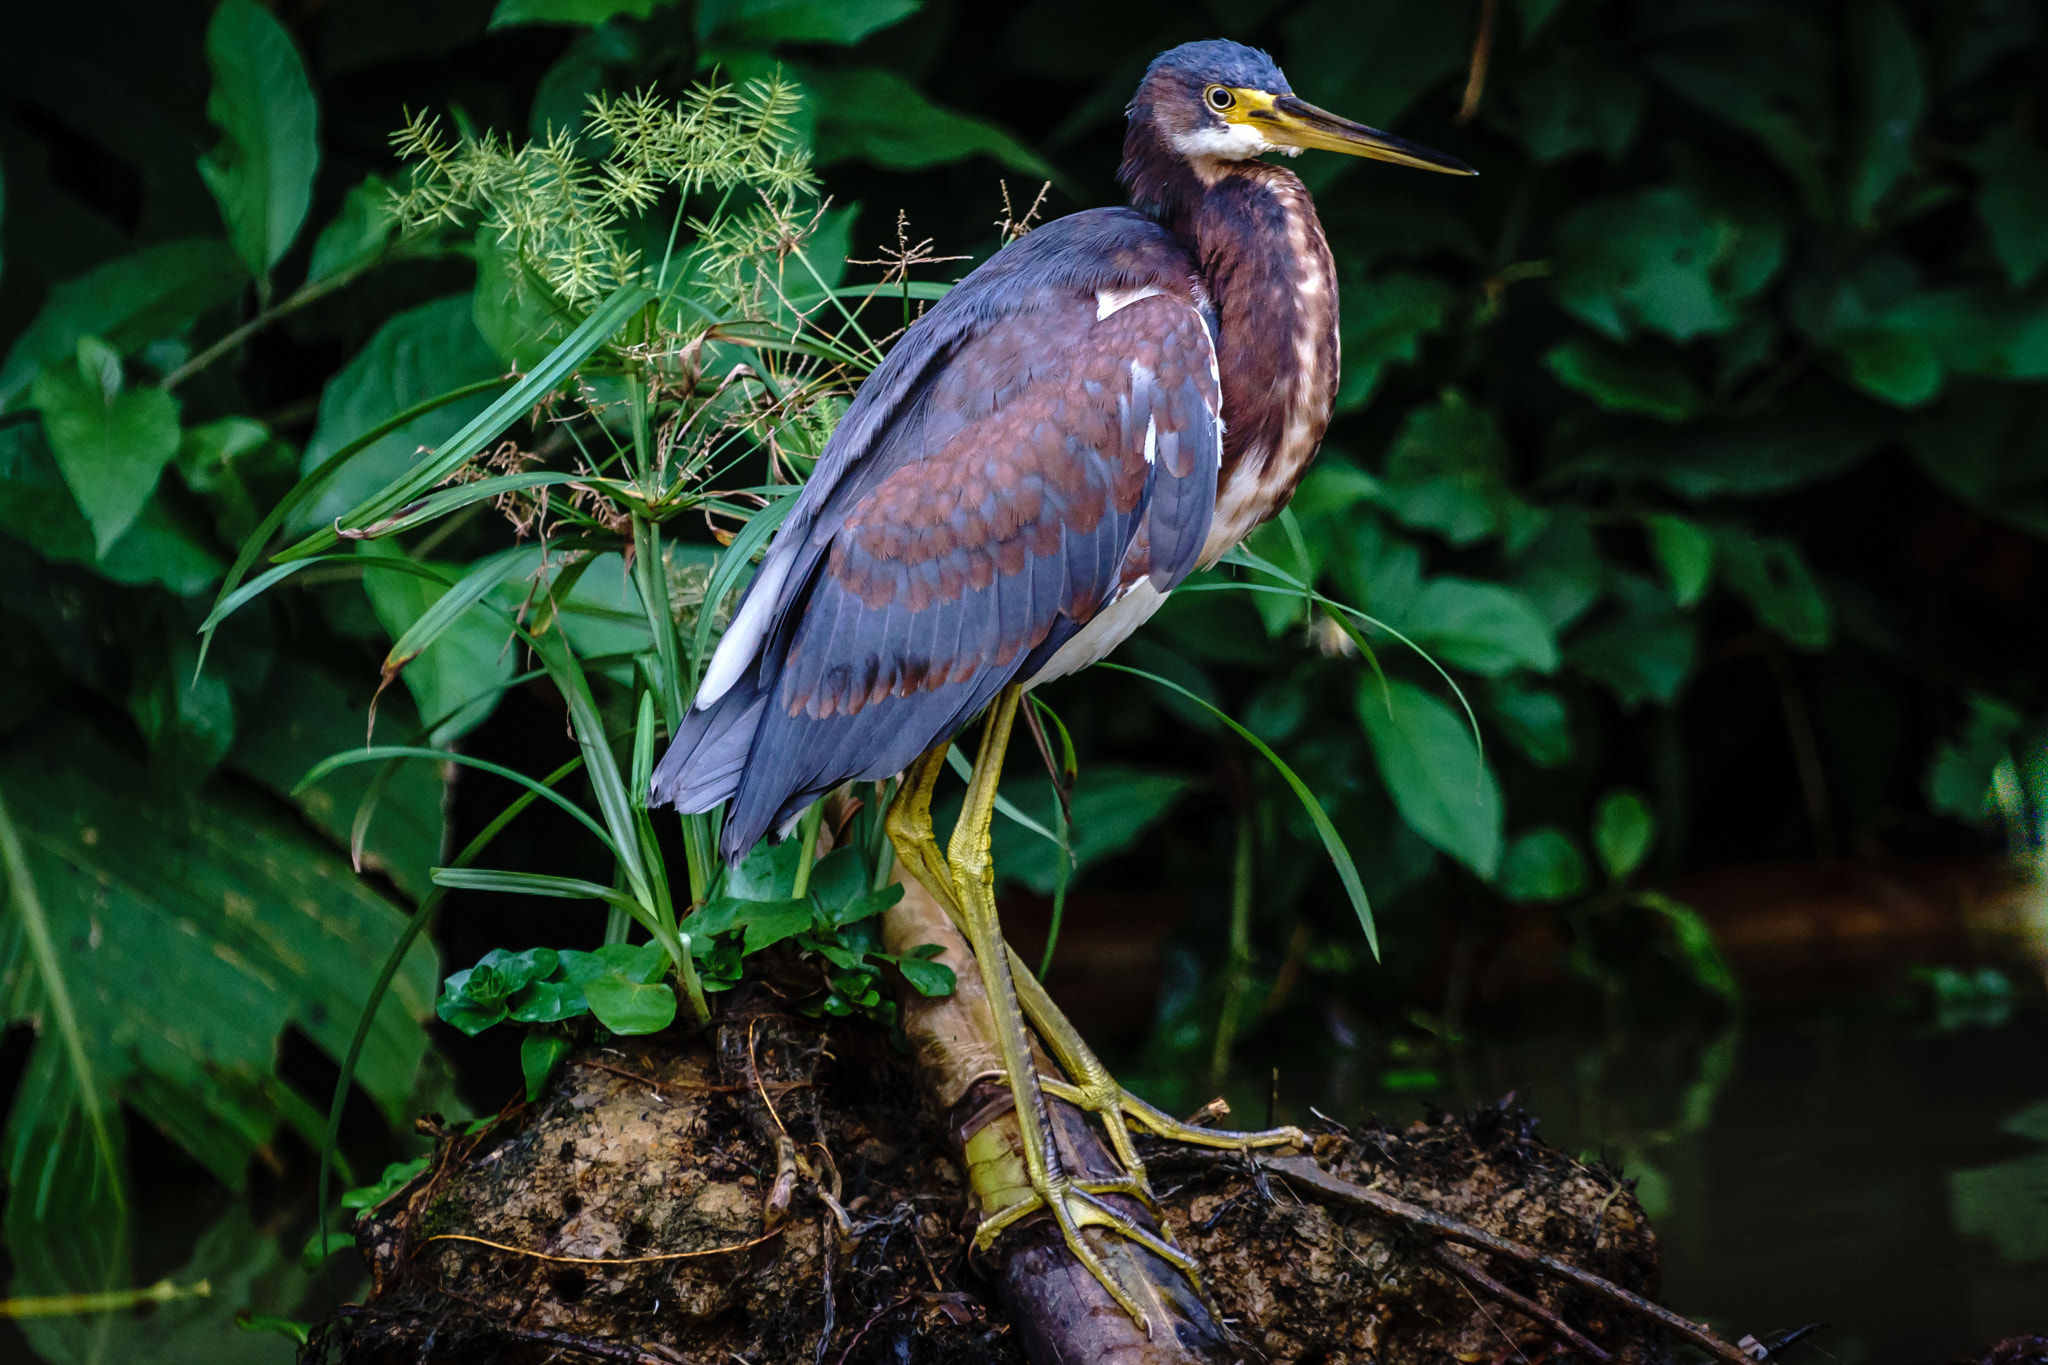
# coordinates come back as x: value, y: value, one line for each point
x: 1109, y: 301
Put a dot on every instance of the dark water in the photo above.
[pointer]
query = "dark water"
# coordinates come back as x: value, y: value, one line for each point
x: 1872, y: 1168
x: 1880, y: 1170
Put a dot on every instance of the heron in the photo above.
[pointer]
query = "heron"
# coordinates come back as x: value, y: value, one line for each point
x: 1109, y: 403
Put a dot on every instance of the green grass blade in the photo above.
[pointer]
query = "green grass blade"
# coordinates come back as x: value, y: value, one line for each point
x: 614, y: 803
x: 378, y: 753
x: 464, y: 495
x: 35, y: 922
x: 574, y: 349
x: 957, y: 761
x: 1333, y: 843
x: 1246, y: 559
x: 449, y: 607
x: 535, y: 884
x: 306, y: 487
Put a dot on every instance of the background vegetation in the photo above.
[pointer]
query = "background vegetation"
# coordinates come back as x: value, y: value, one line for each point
x: 1701, y: 439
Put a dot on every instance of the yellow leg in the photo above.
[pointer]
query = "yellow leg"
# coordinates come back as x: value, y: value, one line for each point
x: 967, y: 877
x: 1093, y: 1089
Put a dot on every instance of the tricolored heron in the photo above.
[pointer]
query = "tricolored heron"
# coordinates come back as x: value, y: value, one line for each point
x: 1111, y: 402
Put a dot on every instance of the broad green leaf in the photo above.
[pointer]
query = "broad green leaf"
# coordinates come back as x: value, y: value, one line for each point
x: 1695, y: 943
x: 1481, y: 626
x: 37, y: 984
x: 158, y: 901
x: 1891, y: 363
x: 1384, y: 321
x: 1623, y: 828
x: 1579, y: 104
x: 1633, y: 379
x: 764, y: 23
x: 1772, y: 575
x: 261, y: 172
x: 187, y: 718
x: 1446, y: 470
x: 877, y: 116
x: 769, y: 923
x: 36, y: 505
x: 925, y: 977
x: 459, y: 673
x: 1960, y: 770
x: 1766, y: 69
x: 1980, y: 330
x: 358, y: 232
x: 1425, y: 756
x: 2004, y: 1203
x: 1534, y: 720
x: 1987, y: 444
x: 541, y: 1054
x: 1685, y: 551
x: 1752, y: 457
x: 305, y: 713
x: 1542, y: 865
x: 416, y: 356
x: 249, y: 1271
x: 111, y: 446
x: 126, y: 303
x: 1641, y: 649
x: 584, y: 13
x: 1888, y: 95
x: 1114, y: 805
x: 629, y: 1006
x: 1659, y: 261
x: 2012, y: 199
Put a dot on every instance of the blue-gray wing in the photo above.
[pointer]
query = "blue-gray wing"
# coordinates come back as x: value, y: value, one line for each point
x: 1051, y: 442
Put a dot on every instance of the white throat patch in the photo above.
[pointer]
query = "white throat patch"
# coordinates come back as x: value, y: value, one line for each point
x: 1231, y: 142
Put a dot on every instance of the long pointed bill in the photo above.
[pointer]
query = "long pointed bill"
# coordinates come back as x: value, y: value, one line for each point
x: 1291, y: 122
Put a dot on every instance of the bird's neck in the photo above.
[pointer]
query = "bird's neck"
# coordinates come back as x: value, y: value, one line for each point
x: 1253, y: 231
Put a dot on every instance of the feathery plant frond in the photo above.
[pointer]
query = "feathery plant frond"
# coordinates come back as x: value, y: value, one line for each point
x: 563, y: 215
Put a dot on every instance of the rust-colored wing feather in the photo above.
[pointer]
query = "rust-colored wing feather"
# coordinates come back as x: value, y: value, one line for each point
x: 1047, y: 460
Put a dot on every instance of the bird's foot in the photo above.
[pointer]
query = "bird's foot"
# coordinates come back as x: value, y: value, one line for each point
x: 1077, y: 1204
x: 1121, y: 1111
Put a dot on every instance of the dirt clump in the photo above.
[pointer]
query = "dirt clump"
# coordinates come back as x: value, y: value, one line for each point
x: 771, y: 1191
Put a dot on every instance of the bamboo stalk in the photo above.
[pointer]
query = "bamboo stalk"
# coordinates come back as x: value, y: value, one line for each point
x: 1058, y: 1310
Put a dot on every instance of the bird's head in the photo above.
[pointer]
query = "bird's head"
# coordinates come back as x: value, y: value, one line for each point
x: 1211, y: 104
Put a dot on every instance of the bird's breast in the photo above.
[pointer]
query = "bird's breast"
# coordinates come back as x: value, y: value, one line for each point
x: 1274, y: 287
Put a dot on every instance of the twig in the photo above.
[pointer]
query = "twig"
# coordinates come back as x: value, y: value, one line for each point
x: 607, y: 1260
x: 305, y: 294
x: 1527, y: 1307
x: 1303, y: 1171
x: 884, y: 1311
x: 1482, y: 57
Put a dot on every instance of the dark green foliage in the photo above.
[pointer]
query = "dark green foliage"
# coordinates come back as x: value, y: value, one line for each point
x: 1708, y: 385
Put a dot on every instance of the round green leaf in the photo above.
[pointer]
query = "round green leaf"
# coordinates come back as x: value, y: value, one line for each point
x: 1623, y: 828
x: 625, y: 1006
x: 1543, y: 865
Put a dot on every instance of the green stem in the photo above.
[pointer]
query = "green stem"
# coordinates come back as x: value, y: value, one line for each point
x: 305, y: 294
x: 812, y: 818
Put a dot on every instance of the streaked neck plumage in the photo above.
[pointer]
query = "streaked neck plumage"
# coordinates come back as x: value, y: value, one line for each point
x: 1253, y: 232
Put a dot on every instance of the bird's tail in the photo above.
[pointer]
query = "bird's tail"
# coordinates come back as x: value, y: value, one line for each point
x: 708, y: 755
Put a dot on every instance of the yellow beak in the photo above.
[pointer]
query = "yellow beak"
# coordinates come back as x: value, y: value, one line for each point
x: 1290, y: 122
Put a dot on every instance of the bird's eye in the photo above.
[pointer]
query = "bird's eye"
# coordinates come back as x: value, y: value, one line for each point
x: 1219, y: 98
